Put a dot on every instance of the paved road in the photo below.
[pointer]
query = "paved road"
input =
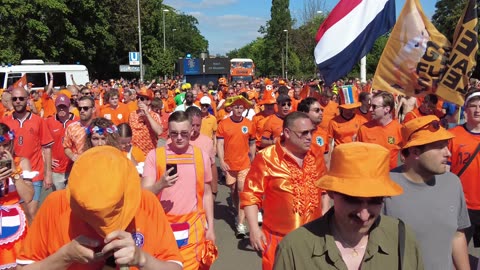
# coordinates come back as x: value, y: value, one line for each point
x: 234, y: 254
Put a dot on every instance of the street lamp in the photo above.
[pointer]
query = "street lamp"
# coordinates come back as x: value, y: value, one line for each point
x: 163, y: 13
x: 140, y: 40
x: 173, y: 34
x: 319, y: 12
x: 286, y: 55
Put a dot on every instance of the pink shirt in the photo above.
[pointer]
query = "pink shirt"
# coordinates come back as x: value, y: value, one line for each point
x: 206, y: 144
x: 181, y: 198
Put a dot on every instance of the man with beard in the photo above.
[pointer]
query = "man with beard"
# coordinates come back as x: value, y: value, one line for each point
x: 383, y: 129
x: 433, y: 203
x: 32, y: 141
x: 74, y: 140
x: 353, y: 234
x: 189, y: 99
x: 57, y: 124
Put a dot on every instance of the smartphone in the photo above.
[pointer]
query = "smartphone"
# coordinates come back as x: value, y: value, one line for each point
x: 174, y: 171
x: 6, y: 163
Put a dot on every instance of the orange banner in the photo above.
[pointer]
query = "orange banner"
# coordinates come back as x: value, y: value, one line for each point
x: 22, y: 82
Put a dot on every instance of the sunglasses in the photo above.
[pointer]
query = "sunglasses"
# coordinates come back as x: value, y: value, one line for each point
x: 358, y: 200
x: 183, y: 134
x: 303, y: 134
x: 141, y: 98
x: 433, y: 126
x: 19, y: 98
x: 84, y: 108
x: 374, y: 106
x: 317, y: 110
x: 289, y: 104
x: 204, y: 105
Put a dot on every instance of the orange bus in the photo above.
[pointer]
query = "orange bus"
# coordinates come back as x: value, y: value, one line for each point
x: 242, y: 69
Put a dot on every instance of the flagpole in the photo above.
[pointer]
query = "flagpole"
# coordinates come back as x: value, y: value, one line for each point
x: 363, y: 69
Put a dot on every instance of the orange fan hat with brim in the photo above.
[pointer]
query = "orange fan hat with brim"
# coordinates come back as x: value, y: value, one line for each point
x: 144, y: 91
x: 349, y: 97
x: 104, y: 189
x: 424, y: 130
x: 360, y: 170
x: 238, y: 100
x: 268, y: 98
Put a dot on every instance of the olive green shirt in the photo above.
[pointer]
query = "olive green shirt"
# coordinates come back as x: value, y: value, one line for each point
x: 312, y: 246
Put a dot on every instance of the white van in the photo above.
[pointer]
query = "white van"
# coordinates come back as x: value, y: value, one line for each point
x: 37, y: 74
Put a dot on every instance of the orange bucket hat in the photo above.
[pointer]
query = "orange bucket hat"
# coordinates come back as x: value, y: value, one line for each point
x: 268, y: 98
x: 360, y: 170
x: 240, y: 100
x: 424, y: 130
x: 104, y: 189
x: 349, y: 97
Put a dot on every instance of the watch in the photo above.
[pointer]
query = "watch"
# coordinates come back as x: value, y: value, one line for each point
x: 16, y: 176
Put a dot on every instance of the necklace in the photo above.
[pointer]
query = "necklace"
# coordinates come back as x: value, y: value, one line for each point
x: 355, y: 249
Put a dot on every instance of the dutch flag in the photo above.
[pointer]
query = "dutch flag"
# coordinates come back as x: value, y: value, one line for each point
x: 9, y: 222
x: 348, y: 34
x: 180, y: 231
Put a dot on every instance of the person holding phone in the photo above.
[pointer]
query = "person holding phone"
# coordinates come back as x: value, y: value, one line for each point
x: 180, y: 175
x: 14, y: 191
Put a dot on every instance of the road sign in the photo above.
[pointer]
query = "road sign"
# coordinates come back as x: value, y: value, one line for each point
x: 127, y: 68
x: 134, y: 58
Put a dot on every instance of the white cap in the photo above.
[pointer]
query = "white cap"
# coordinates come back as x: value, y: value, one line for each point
x: 205, y: 100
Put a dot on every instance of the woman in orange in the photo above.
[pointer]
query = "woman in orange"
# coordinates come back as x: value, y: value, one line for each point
x: 101, y: 131
x: 133, y: 153
x: 14, y: 189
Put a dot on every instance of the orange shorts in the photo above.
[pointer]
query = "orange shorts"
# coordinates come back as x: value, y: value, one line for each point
x: 236, y: 176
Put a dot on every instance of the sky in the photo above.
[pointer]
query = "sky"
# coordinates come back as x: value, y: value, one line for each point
x: 230, y: 24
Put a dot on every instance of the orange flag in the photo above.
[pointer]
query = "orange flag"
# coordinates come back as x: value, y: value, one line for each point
x: 22, y: 82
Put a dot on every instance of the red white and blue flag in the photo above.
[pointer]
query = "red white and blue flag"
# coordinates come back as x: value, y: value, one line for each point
x: 181, y: 232
x: 349, y: 33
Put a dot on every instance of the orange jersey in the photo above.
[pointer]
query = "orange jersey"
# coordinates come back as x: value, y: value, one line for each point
x: 236, y: 137
x: 164, y: 123
x: 143, y: 136
x: 367, y: 115
x: 320, y: 147
x: 462, y: 147
x: 132, y: 106
x: 57, y: 129
x: 209, y: 126
x: 295, y: 103
x: 389, y: 136
x: 75, y: 137
x: 31, y: 135
x: 221, y: 114
x: 415, y: 113
x: 344, y: 131
x: 259, y: 122
x: 118, y: 115
x: 55, y: 226
x: 38, y: 105
x: 329, y: 112
x: 273, y: 127
x: 48, y: 104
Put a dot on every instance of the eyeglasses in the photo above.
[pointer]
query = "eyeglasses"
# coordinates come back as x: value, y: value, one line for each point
x: 84, y: 108
x: 183, y: 134
x: 19, y: 98
x: 358, y: 201
x: 434, y: 126
x: 289, y: 104
x: 374, y: 106
x: 317, y: 110
x: 303, y: 134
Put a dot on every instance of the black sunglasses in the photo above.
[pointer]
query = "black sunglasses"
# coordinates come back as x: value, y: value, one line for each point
x: 141, y: 98
x: 19, y: 98
x: 286, y: 103
x: 84, y: 108
x: 358, y: 200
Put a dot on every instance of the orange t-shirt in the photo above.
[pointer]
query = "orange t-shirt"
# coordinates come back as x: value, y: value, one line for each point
x: 30, y: 137
x: 273, y: 127
x: 389, y: 136
x: 55, y: 226
x: 118, y: 115
x: 38, y: 105
x: 143, y: 137
x: 132, y: 106
x: 221, y: 114
x: 57, y: 129
x: 320, y: 147
x: 236, y: 137
x: 74, y: 138
x: 329, y: 112
x: 462, y: 147
x: 417, y: 113
x: 48, y: 104
x: 344, y: 131
x: 295, y: 103
x: 259, y: 122
x: 367, y: 116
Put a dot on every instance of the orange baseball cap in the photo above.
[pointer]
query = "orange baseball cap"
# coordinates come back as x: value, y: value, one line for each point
x: 424, y: 130
x: 360, y: 170
x: 145, y: 92
x: 104, y: 189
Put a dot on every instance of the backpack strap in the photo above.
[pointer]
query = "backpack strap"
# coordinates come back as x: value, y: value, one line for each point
x: 401, y: 243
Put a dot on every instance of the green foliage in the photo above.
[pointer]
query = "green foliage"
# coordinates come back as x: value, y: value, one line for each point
x: 98, y: 34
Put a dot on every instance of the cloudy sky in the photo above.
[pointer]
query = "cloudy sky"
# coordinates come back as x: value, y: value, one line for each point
x: 230, y: 24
